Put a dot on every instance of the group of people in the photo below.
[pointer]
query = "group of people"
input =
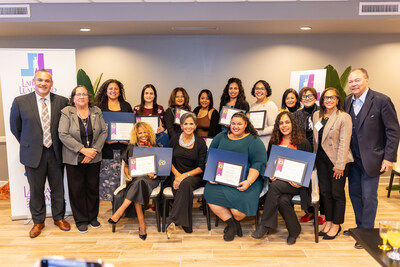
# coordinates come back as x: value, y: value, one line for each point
x: 358, y: 139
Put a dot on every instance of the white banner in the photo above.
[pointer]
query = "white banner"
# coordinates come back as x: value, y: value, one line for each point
x: 308, y: 78
x: 17, y: 68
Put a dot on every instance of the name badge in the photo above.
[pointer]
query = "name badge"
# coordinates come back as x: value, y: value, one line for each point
x: 318, y: 126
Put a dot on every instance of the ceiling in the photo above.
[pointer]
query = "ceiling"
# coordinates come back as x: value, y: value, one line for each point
x: 104, y: 17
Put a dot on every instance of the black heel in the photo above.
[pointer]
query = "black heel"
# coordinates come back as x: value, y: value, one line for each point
x: 113, y: 223
x: 143, y: 237
x: 328, y: 237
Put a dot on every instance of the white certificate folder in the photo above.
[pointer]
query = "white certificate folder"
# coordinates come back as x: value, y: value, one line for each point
x: 113, y: 117
x: 163, y: 157
x: 300, y: 160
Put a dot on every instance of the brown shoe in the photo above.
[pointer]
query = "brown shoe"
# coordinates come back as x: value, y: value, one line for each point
x: 63, y: 225
x: 36, y: 230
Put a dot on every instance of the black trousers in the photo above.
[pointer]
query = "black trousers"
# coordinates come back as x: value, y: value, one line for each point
x: 183, y: 200
x: 279, y: 197
x: 83, y: 187
x: 48, y: 167
x: 332, y: 193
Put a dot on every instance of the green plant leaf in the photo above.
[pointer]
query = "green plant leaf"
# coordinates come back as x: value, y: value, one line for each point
x: 344, y: 77
x: 83, y: 79
x: 97, y: 82
x: 332, y: 77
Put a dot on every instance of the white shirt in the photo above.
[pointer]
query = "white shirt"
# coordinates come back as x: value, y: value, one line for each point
x: 39, y: 104
x: 359, y: 102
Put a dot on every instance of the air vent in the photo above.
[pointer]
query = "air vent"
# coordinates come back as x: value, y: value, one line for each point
x: 379, y: 8
x: 14, y: 11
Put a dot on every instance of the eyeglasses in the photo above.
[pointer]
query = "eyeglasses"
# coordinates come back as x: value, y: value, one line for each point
x: 330, y: 97
x: 309, y: 96
x: 81, y: 95
x: 259, y: 88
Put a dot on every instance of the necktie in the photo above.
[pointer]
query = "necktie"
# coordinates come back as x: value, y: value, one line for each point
x: 46, y: 124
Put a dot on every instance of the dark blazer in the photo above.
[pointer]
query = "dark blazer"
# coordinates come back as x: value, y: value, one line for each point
x: 26, y: 126
x: 378, y: 133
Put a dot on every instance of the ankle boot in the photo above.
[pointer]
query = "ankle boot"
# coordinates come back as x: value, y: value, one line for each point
x: 238, y: 227
x: 230, y: 233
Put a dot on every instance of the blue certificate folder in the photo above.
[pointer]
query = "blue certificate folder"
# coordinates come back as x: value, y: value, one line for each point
x: 290, y: 154
x: 110, y: 116
x: 163, y: 157
x: 215, y: 155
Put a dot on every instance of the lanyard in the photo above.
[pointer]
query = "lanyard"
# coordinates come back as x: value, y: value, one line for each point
x: 85, y: 123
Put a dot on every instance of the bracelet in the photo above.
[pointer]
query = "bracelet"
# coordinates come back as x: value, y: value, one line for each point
x: 249, y: 182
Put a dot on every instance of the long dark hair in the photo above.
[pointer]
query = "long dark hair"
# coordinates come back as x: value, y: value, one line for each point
x: 296, y: 136
x: 249, y: 128
x: 73, y: 93
x: 101, y: 98
x: 142, y: 102
x: 210, y: 97
x: 322, y: 104
x: 241, y: 98
x: 171, y: 101
x: 285, y: 94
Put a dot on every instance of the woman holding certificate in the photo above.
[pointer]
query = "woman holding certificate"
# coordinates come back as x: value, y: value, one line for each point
x: 332, y: 135
x: 188, y: 162
x: 290, y: 101
x: 233, y: 204
x: 178, y: 100
x: 111, y: 97
x: 288, y: 133
x: 138, y: 189
x: 261, y: 91
x: 207, y: 116
x: 233, y: 97
x: 82, y: 131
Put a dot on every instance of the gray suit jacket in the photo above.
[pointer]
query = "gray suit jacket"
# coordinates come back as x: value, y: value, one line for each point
x: 26, y: 126
x: 70, y: 135
x: 378, y: 133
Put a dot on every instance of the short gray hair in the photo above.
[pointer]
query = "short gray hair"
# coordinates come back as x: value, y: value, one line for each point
x: 188, y: 115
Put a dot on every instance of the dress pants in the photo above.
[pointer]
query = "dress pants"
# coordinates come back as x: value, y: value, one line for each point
x: 83, y: 187
x: 331, y: 190
x: 279, y: 197
x: 48, y: 167
x: 363, y: 192
x: 183, y: 200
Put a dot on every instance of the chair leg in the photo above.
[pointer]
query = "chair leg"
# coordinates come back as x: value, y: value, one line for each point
x: 257, y: 217
x: 207, y: 210
x: 157, y: 201
x: 191, y: 221
x: 390, y: 183
x: 216, y: 221
x: 316, y: 226
x: 165, y: 203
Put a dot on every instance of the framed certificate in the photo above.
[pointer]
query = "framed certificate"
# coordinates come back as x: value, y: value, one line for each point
x: 178, y: 114
x: 142, y: 165
x: 153, y: 121
x: 229, y: 173
x: 120, y: 131
x: 110, y: 116
x: 227, y: 114
x: 290, y: 170
x: 163, y: 157
x: 208, y: 141
x: 257, y: 118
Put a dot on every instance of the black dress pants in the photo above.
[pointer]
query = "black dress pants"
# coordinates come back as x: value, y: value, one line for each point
x: 279, y: 197
x: 332, y: 192
x: 48, y: 167
x: 83, y: 187
x: 183, y: 200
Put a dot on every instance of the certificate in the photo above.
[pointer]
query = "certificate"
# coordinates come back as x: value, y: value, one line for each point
x: 257, y: 118
x: 228, y: 173
x: 121, y: 131
x: 153, y: 121
x: 290, y: 170
x: 178, y: 114
x: 208, y: 141
x: 142, y: 165
x: 227, y: 114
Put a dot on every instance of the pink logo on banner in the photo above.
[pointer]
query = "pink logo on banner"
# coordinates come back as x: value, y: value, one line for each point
x: 138, y: 119
x: 113, y: 128
x: 224, y: 112
x: 220, y: 168
x: 133, y: 164
x: 279, y: 166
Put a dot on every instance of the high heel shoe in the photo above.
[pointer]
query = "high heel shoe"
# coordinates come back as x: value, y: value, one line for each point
x: 322, y: 233
x: 143, y: 237
x: 113, y: 223
x: 328, y: 237
x: 170, y: 228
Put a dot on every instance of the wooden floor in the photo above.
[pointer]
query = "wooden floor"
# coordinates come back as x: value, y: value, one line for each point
x: 201, y: 248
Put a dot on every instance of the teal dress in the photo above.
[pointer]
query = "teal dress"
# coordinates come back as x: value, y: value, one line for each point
x: 226, y: 196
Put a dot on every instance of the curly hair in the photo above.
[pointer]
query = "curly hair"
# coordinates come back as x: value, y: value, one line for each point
x: 285, y: 94
x: 147, y: 128
x: 339, y: 104
x: 249, y: 128
x: 171, y: 101
x: 73, y: 93
x: 265, y: 84
x: 142, y: 102
x: 296, y: 136
x: 241, y: 98
x: 101, y: 98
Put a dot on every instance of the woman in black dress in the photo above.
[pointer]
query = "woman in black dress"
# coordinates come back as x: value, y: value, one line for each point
x: 179, y: 98
x: 138, y: 189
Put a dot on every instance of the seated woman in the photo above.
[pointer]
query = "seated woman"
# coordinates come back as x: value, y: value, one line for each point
x: 188, y: 162
x: 332, y: 145
x: 288, y: 133
x: 138, y: 189
x: 179, y: 98
x: 207, y: 116
x: 290, y: 101
x: 233, y: 204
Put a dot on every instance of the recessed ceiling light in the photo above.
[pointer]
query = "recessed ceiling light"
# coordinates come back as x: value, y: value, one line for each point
x: 85, y: 30
x: 305, y: 28
x: 194, y: 28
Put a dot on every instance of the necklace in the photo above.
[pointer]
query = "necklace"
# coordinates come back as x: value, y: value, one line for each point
x: 186, y: 144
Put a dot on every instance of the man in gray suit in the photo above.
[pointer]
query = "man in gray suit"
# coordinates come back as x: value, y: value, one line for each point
x: 34, y: 122
x: 374, y: 143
